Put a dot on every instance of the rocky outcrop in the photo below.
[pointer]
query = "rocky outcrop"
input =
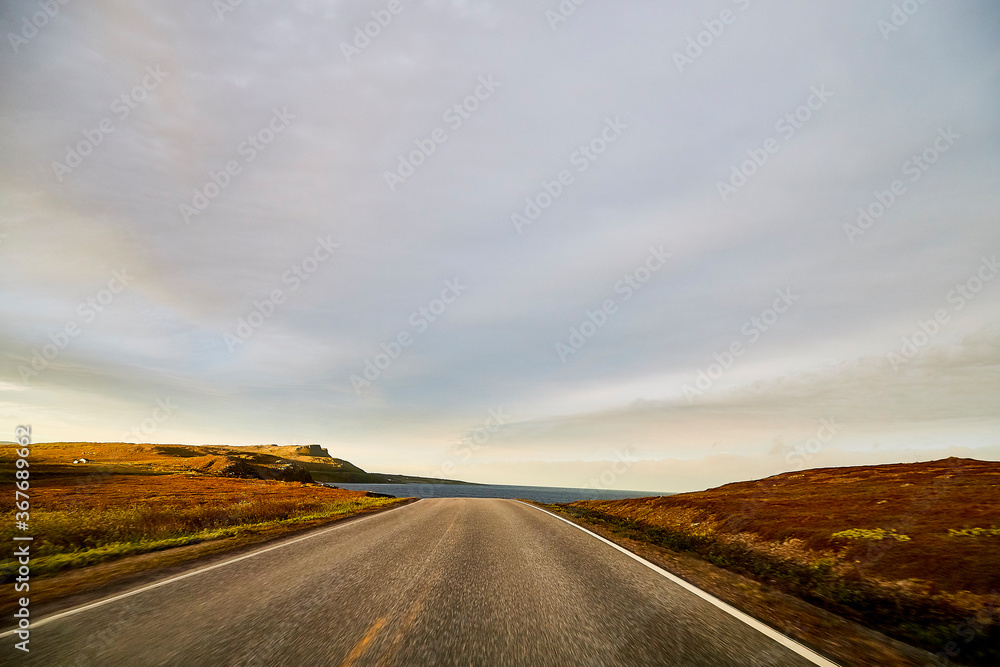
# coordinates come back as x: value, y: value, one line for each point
x: 290, y: 471
x: 312, y: 450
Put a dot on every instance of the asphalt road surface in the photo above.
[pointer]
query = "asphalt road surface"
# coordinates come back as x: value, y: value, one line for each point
x: 455, y: 581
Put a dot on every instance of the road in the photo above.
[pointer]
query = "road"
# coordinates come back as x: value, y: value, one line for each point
x: 455, y: 581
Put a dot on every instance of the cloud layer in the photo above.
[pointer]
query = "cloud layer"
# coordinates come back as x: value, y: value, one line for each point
x: 371, y: 241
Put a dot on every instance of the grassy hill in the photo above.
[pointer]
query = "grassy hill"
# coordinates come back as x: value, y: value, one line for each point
x: 912, y: 550
x: 284, y: 463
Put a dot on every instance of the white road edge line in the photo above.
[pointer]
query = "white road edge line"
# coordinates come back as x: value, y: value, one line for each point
x: 785, y: 641
x: 137, y: 591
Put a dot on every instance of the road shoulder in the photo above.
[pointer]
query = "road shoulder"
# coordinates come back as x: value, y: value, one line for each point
x: 829, y: 634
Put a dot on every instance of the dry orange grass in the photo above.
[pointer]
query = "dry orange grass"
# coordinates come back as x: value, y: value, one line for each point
x: 178, y: 491
x: 921, y: 500
x: 133, y: 499
x: 143, y: 513
x: 894, y: 547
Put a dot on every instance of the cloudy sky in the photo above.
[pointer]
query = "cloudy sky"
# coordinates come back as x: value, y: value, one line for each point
x: 644, y: 245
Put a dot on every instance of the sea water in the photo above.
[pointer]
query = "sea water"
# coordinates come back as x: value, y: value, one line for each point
x: 542, y: 494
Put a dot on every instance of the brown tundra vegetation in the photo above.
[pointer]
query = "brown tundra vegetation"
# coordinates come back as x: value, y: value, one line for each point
x: 911, y: 550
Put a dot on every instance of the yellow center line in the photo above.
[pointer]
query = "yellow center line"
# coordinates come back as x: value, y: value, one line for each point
x: 362, y: 645
x: 430, y: 580
x: 414, y: 610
